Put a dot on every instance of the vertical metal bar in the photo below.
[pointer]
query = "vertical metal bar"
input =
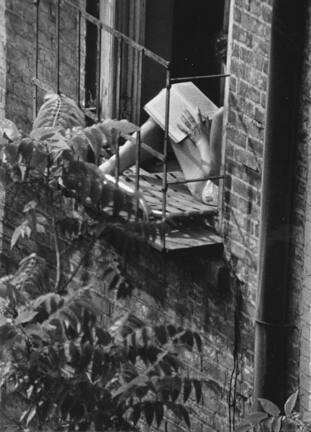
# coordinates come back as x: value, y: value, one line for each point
x: 116, y: 172
x: 118, y: 77
x: 137, y: 171
x: 79, y: 57
x: 139, y: 84
x: 36, y: 59
x: 98, y: 73
x: 117, y: 166
x: 58, y: 46
x: 165, y: 148
x: 138, y: 136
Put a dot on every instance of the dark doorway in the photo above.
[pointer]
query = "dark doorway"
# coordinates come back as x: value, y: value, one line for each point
x: 187, y: 33
x: 197, y: 27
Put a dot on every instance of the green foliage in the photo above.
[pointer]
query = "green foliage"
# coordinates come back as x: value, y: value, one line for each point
x: 58, y: 111
x: 70, y: 370
x: 271, y: 419
x: 64, y: 155
x: 76, y: 374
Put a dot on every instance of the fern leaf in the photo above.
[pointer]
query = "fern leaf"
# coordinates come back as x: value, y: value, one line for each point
x: 32, y: 276
x: 59, y: 110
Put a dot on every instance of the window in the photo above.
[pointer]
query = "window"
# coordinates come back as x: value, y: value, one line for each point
x: 187, y: 37
x: 132, y: 49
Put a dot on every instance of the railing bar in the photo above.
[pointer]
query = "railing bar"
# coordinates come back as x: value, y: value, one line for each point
x: 198, y: 77
x: 118, y: 78
x: 139, y: 84
x: 79, y: 57
x: 98, y: 72
x: 117, y: 166
x: 116, y: 172
x: 137, y: 171
x: 165, y: 149
x: 58, y: 46
x: 35, y: 88
x: 118, y: 34
x: 196, y: 179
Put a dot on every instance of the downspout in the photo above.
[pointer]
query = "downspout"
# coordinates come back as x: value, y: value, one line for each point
x: 272, y: 320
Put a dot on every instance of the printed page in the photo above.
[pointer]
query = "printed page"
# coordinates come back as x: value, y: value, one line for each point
x: 183, y: 96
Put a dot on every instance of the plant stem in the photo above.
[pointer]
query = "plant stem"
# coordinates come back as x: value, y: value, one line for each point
x: 57, y: 255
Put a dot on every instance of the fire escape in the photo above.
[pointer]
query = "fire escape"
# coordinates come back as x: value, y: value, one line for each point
x: 193, y: 223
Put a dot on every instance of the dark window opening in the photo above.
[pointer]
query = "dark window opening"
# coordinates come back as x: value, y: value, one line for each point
x: 195, y: 33
x: 189, y: 38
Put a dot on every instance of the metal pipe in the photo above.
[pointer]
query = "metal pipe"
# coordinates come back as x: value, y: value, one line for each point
x: 35, y: 88
x: 58, y: 46
x: 271, y: 326
x: 198, y: 77
x: 79, y: 57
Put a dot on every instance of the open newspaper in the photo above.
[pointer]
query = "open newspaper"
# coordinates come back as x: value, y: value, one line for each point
x: 183, y: 96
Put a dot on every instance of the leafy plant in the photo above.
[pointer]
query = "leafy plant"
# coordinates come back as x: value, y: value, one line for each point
x: 271, y: 419
x: 69, y: 369
x: 75, y: 373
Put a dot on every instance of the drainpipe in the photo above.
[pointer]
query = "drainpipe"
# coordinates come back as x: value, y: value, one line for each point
x: 272, y: 320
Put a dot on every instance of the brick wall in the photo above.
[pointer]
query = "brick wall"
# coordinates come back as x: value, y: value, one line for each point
x: 3, y: 66
x: 20, y: 54
x: 247, y: 95
x: 186, y: 292
x: 184, y: 289
x: 249, y: 42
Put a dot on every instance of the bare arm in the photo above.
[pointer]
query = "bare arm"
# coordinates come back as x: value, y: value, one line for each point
x: 151, y: 134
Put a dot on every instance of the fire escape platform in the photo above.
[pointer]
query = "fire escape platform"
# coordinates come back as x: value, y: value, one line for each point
x: 192, y: 230
x: 179, y: 201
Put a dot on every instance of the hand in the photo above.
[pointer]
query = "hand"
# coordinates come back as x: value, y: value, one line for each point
x: 195, y: 129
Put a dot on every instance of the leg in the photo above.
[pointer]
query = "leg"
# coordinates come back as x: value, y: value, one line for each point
x: 151, y: 134
x: 216, y: 141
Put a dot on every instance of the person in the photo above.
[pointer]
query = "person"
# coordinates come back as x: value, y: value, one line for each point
x: 199, y: 154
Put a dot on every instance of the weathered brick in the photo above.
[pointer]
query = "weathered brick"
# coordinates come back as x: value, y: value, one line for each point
x: 237, y: 136
x: 242, y: 35
x: 248, y: 91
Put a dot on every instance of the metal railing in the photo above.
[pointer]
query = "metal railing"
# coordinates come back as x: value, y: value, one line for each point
x: 121, y: 40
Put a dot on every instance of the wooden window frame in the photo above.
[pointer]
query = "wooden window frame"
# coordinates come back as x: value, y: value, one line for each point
x: 129, y: 19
